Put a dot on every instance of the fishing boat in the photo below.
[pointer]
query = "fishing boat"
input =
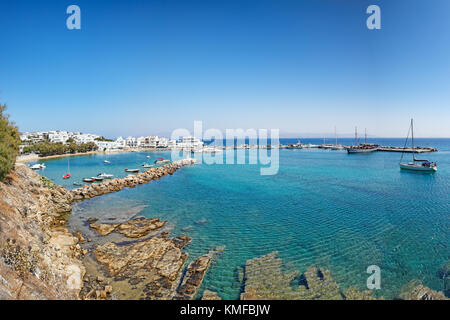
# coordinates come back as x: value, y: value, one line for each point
x: 363, y: 147
x: 161, y: 160
x: 132, y: 170
x: 67, y: 175
x: 416, y: 164
x: 88, y: 180
x: 105, y: 175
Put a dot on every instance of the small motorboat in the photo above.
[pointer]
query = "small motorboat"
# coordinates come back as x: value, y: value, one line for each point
x: 147, y: 165
x: 67, y: 176
x: 161, y: 160
x: 105, y: 175
x: 38, y: 166
x: 88, y: 180
x: 77, y: 184
x: 132, y: 170
x: 148, y: 157
x: 106, y: 161
x: 97, y: 178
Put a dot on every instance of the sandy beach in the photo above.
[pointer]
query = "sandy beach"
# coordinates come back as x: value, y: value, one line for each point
x: 36, y: 157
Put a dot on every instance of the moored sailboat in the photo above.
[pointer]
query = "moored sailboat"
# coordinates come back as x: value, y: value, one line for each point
x: 363, y: 147
x: 416, y: 164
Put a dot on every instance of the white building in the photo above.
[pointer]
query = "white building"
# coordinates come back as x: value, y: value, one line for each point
x: 190, y: 142
x: 131, y: 142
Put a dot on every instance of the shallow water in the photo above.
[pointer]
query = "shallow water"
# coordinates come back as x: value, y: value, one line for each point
x: 327, y: 208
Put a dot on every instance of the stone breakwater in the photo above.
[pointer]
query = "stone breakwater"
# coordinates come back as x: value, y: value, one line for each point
x: 131, y: 181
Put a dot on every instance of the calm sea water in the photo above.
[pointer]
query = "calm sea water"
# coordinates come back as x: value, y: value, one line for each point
x: 327, y: 208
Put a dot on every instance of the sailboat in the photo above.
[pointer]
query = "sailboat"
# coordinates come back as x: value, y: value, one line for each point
x: 364, y: 147
x: 67, y: 176
x: 416, y: 164
x: 336, y: 145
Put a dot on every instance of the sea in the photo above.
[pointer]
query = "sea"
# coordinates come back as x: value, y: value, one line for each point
x: 338, y: 211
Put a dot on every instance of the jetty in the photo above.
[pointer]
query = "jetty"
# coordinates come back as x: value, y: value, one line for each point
x: 407, y: 150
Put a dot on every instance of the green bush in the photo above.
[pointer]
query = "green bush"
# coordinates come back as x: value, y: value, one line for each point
x: 9, y: 144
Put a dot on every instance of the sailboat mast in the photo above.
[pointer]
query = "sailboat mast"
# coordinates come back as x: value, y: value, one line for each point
x: 356, y: 136
x: 365, y: 135
x: 335, y: 134
x: 412, y: 138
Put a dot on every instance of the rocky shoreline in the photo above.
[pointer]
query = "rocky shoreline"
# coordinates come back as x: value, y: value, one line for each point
x: 135, y: 259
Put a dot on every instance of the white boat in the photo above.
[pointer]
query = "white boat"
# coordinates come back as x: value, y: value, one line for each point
x: 38, y: 166
x: 147, y: 165
x: 416, y: 164
x: 106, y: 161
x: 105, y: 175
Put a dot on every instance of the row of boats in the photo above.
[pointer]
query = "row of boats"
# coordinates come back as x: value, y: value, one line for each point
x: 422, y: 165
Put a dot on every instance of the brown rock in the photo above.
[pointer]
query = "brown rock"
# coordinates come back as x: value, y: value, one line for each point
x: 103, y: 229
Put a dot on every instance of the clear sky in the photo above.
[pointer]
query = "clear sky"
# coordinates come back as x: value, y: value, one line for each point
x: 148, y: 67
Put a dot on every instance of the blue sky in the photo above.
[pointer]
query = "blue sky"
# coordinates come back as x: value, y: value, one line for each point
x: 148, y: 67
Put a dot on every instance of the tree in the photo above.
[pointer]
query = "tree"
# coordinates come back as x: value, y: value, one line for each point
x: 9, y: 143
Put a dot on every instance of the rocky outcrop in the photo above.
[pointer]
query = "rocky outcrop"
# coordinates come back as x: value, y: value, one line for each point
x: 39, y: 258
x: 136, y: 228
x: 152, y: 267
x: 131, y: 181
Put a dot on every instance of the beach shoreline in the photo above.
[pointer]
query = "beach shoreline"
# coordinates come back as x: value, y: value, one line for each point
x: 36, y: 157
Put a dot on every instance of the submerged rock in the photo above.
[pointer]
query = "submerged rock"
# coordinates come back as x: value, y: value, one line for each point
x: 263, y: 279
x: 415, y: 290
x: 210, y: 295
x: 193, y: 278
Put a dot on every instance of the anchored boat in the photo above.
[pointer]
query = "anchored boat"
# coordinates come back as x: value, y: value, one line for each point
x: 38, y: 166
x: 416, y: 164
x: 105, y: 175
x: 363, y: 147
x: 132, y: 170
x: 67, y: 175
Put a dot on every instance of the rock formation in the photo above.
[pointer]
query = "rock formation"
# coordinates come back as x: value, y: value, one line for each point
x: 39, y: 258
x: 136, y: 228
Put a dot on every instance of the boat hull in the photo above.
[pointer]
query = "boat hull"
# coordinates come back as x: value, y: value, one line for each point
x: 414, y: 167
x: 361, y: 150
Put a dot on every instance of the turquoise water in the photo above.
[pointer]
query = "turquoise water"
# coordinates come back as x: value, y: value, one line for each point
x: 327, y: 208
